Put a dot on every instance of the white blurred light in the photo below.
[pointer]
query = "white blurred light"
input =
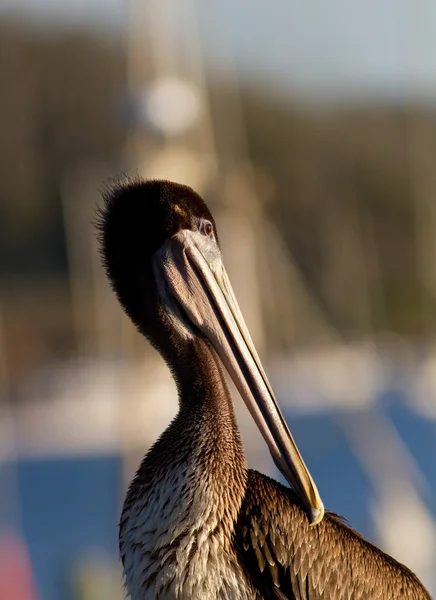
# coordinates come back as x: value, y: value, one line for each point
x: 172, y: 105
x: 422, y: 395
x: 343, y: 376
x: 79, y: 408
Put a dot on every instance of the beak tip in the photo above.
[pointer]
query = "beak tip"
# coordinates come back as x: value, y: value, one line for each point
x: 316, y: 514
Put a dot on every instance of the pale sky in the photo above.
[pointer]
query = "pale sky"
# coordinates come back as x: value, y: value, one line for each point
x: 323, y: 48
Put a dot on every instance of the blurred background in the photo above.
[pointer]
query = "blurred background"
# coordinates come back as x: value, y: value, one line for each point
x: 311, y: 131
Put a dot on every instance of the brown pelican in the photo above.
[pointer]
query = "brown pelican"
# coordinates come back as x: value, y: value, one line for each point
x: 196, y: 523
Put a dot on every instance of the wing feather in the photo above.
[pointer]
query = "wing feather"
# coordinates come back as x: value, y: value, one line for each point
x: 290, y: 560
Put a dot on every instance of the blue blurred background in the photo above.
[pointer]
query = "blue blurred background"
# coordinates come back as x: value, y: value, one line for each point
x: 311, y: 131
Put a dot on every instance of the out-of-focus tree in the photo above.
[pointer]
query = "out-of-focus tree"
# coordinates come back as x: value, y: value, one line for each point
x: 58, y: 105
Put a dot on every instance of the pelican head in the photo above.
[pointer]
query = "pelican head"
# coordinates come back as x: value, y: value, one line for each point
x: 162, y: 255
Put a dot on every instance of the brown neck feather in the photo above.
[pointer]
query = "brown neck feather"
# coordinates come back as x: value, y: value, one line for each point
x: 204, y: 430
x: 206, y: 407
x: 202, y: 443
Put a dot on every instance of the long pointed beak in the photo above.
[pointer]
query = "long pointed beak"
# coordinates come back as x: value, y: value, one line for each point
x: 194, y: 273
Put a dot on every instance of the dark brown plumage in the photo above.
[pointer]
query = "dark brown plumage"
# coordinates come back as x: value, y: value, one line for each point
x: 290, y: 559
x: 196, y: 523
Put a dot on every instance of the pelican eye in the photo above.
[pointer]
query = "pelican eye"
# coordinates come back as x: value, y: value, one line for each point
x: 206, y: 228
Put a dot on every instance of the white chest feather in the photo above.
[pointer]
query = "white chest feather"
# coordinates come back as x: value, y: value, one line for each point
x: 175, y: 545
